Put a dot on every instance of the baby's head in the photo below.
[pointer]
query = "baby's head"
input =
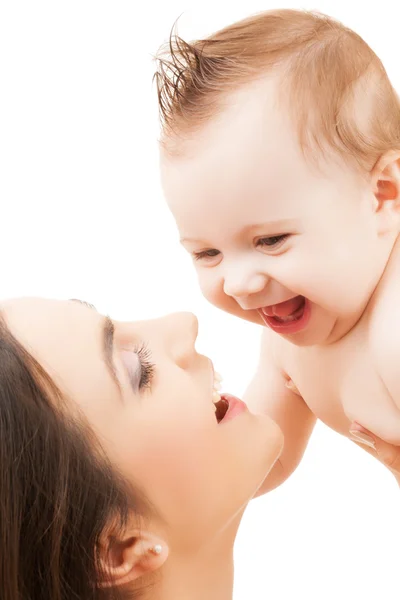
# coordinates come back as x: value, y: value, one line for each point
x: 280, y: 160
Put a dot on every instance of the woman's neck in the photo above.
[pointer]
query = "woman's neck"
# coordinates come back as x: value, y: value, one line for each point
x: 205, y: 573
x: 198, y: 579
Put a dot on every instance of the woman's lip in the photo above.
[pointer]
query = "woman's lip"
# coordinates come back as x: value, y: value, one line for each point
x: 235, y: 407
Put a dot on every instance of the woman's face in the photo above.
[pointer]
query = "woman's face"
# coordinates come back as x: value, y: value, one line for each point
x: 148, y: 395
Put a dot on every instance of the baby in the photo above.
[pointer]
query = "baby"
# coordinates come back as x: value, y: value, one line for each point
x: 280, y: 161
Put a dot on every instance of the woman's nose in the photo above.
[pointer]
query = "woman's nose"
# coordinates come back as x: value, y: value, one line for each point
x: 182, y: 333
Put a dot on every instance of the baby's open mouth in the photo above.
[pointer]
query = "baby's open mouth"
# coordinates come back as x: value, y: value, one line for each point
x: 285, y: 312
x: 287, y: 317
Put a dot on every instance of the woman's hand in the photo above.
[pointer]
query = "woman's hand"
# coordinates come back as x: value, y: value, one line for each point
x: 388, y: 454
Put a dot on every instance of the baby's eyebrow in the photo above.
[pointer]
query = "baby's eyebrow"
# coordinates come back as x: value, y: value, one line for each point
x: 191, y: 240
x: 273, y: 225
x: 270, y: 227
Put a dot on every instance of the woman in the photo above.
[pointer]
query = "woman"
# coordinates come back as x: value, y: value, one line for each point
x: 118, y: 478
x: 388, y: 454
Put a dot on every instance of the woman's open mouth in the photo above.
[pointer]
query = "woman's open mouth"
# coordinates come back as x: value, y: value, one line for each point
x: 226, y: 406
x: 221, y: 408
x: 287, y: 317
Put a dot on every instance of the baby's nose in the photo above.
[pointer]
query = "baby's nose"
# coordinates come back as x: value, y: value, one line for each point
x: 239, y: 285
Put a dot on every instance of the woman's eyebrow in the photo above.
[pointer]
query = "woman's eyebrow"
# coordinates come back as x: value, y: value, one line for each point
x: 108, y: 350
x: 107, y: 344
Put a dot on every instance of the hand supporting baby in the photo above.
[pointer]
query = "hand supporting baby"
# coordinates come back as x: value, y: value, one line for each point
x: 388, y: 454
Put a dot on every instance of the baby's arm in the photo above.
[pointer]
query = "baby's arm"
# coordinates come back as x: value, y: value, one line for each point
x: 385, y: 348
x: 269, y: 394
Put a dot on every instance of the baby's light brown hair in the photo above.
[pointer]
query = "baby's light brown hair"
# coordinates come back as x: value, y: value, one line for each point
x: 332, y: 83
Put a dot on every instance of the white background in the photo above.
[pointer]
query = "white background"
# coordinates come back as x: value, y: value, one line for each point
x: 82, y: 215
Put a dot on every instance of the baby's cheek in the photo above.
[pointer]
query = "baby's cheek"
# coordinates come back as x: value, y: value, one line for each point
x: 211, y: 289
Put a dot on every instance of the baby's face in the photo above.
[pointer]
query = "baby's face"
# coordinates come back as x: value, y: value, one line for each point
x: 273, y: 240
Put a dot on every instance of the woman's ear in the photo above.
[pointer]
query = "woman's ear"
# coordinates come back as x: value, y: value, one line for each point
x: 125, y: 559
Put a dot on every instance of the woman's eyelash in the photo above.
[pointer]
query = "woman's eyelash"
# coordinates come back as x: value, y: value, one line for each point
x: 146, y: 366
x: 205, y: 254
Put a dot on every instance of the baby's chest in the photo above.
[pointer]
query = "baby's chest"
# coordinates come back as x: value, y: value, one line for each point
x: 342, y: 385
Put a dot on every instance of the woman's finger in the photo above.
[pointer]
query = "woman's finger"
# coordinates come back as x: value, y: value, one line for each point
x: 388, y: 454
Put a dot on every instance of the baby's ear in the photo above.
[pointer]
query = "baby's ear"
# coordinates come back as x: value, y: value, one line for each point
x: 386, y: 179
x: 126, y: 558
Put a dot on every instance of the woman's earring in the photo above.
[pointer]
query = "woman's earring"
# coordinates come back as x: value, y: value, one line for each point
x: 157, y: 549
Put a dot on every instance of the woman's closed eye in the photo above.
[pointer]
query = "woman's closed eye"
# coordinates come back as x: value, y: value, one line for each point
x: 139, y: 367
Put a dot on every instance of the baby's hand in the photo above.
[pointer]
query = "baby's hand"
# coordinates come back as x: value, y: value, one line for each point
x: 388, y: 454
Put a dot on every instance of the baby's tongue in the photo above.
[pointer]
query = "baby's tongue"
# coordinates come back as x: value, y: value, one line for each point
x: 284, y: 309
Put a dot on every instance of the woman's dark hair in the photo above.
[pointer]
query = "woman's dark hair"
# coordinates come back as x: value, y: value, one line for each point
x: 58, y: 491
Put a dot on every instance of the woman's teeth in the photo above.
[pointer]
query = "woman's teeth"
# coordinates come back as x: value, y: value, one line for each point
x: 217, y: 388
x: 221, y: 405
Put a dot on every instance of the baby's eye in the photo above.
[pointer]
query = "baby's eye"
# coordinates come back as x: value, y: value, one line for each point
x: 206, y: 254
x: 273, y: 241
